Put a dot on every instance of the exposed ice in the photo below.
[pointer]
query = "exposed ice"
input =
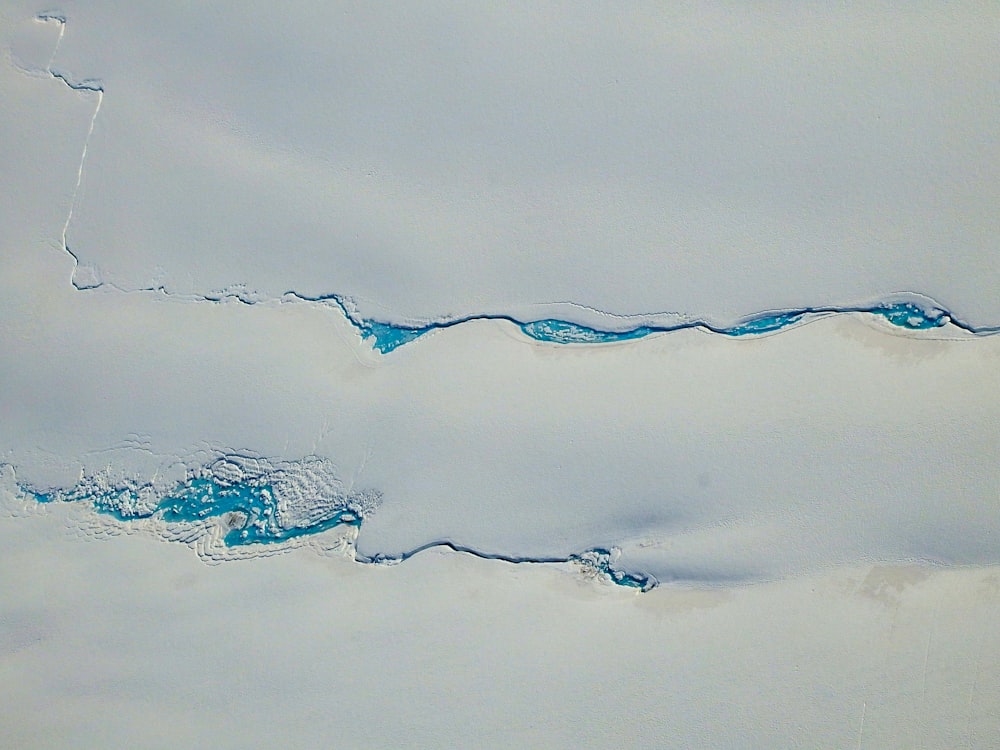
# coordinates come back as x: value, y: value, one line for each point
x: 261, y: 501
x: 386, y: 337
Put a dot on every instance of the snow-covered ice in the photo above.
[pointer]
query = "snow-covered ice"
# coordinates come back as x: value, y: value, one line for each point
x: 530, y: 300
x: 443, y: 160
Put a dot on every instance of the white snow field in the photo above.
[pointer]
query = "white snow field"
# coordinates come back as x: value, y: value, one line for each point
x: 289, y: 287
x: 437, y: 159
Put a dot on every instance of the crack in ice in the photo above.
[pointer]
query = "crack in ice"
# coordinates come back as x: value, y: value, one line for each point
x: 254, y: 504
x: 88, y: 85
x: 597, y: 561
x: 248, y: 505
x: 908, y: 310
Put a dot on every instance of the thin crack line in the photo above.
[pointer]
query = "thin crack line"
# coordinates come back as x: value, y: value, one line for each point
x: 79, y: 173
x: 87, y: 85
x: 598, y: 558
x: 61, y: 20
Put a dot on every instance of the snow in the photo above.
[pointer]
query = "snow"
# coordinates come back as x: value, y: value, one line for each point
x: 209, y: 205
x: 452, y: 160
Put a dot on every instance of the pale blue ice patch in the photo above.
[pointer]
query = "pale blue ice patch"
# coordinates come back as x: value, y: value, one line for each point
x: 908, y: 315
x: 385, y: 337
x: 251, y: 511
x: 765, y: 324
x: 602, y: 561
x: 564, y: 332
x: 259, y: 502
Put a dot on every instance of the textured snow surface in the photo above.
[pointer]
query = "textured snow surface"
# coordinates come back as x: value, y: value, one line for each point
x: 531, y: 301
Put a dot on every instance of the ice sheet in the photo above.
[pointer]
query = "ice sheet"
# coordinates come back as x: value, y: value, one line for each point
x: 687, y: 449
x: 724, y: 321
